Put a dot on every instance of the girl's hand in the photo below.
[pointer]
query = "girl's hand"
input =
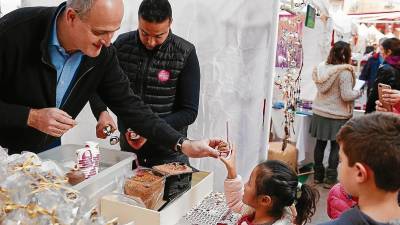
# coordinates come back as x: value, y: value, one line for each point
x: 230, y: 163
x: 391, y: 96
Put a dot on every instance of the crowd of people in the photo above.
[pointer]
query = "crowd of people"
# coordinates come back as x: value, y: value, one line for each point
x: 364, y: 160
x: 362, y: 139
x: 54, y: 60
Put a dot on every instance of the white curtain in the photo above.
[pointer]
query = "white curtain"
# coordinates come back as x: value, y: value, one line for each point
x: 235, y: 43
x: 7, y: 6
x: 30, y: 3
x: 316, y: 46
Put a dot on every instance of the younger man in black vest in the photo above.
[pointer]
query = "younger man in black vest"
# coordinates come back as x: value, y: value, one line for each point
x: 164, y: 71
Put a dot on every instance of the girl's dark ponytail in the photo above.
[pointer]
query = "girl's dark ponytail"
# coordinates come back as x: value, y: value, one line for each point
x: 278, y: 180
x: 306, y: 203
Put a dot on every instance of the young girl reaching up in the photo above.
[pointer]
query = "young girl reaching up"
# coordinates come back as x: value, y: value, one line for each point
x: 272, y: 195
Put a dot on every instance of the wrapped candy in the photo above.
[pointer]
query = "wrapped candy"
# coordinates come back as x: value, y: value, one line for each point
x: 93, y: 218
x: 35, y: 192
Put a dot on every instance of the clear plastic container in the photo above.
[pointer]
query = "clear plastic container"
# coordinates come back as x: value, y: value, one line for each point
x: 114, y: 165
x: 146, y: 184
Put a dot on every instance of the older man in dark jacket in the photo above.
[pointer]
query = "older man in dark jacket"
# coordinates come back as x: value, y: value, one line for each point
x: 52, y: 60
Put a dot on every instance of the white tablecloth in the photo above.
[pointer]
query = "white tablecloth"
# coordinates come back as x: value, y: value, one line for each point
x: 304, y: 142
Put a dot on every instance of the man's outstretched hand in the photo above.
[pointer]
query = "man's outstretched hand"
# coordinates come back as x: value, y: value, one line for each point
x: 201, y: 148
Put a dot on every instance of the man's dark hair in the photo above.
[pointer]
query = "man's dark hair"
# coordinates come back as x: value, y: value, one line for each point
x: 374, y: 141
x: 155, y: 11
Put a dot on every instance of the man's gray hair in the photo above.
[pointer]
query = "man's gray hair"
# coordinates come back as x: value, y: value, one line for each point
x: 82, y: 7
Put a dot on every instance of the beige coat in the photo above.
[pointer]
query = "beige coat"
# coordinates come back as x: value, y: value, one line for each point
x: 335, y: 96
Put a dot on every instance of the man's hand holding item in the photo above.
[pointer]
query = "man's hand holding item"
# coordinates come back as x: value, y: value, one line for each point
x: 134, y: 140
x: 105, y: 120
x: 51, y: 121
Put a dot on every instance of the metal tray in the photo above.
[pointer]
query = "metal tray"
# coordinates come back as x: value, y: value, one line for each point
x: 114, y: 164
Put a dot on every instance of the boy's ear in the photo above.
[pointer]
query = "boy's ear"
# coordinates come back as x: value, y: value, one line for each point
x: 266, y: 201
x: 362, y: 174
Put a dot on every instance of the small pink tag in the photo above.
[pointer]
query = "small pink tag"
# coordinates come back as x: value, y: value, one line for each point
x: 163, y: 75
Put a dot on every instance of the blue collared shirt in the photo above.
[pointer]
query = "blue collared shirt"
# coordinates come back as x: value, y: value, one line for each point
x: 65, y: 64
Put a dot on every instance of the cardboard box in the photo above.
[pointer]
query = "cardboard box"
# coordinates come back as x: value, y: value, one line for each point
x: 202, y: 185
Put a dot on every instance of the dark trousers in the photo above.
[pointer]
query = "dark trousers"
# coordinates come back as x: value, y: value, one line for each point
x: 319, y: 170
x: 333, y: 155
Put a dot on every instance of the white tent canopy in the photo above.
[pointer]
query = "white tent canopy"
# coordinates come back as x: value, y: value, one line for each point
x: 333, y: 17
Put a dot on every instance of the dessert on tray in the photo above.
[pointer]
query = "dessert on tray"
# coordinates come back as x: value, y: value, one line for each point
x: 173, y: 168
x: 146, y: 184
x: 75, y: 176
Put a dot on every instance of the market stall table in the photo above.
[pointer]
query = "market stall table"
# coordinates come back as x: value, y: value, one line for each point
x: 300, y: 135
x: 115, y: 164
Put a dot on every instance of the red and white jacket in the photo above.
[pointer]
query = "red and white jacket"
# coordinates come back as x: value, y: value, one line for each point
x: 234, y: 194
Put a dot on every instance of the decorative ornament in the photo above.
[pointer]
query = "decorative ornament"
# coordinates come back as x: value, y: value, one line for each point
x: 290, y: 60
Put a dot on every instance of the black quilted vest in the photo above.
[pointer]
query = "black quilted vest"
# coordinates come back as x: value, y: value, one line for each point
x: 143, y: 68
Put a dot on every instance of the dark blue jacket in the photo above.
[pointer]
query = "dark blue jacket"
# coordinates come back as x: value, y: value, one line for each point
x: 354, y: 216
x: 387, y: 74
x: 370, y: 69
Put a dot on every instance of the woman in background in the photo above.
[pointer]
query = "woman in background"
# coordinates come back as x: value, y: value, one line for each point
x: 332, y: 107
x: 388, y: 73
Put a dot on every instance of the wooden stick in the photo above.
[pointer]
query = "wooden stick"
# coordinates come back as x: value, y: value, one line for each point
x: 305, y: 173
x: 227, y: 131
x: 227, y: 135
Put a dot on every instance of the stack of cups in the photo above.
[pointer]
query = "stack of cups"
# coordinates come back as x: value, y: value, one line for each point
x: 88, y: 159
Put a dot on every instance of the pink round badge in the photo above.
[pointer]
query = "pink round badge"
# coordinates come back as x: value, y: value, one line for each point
x: 163, y: 75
